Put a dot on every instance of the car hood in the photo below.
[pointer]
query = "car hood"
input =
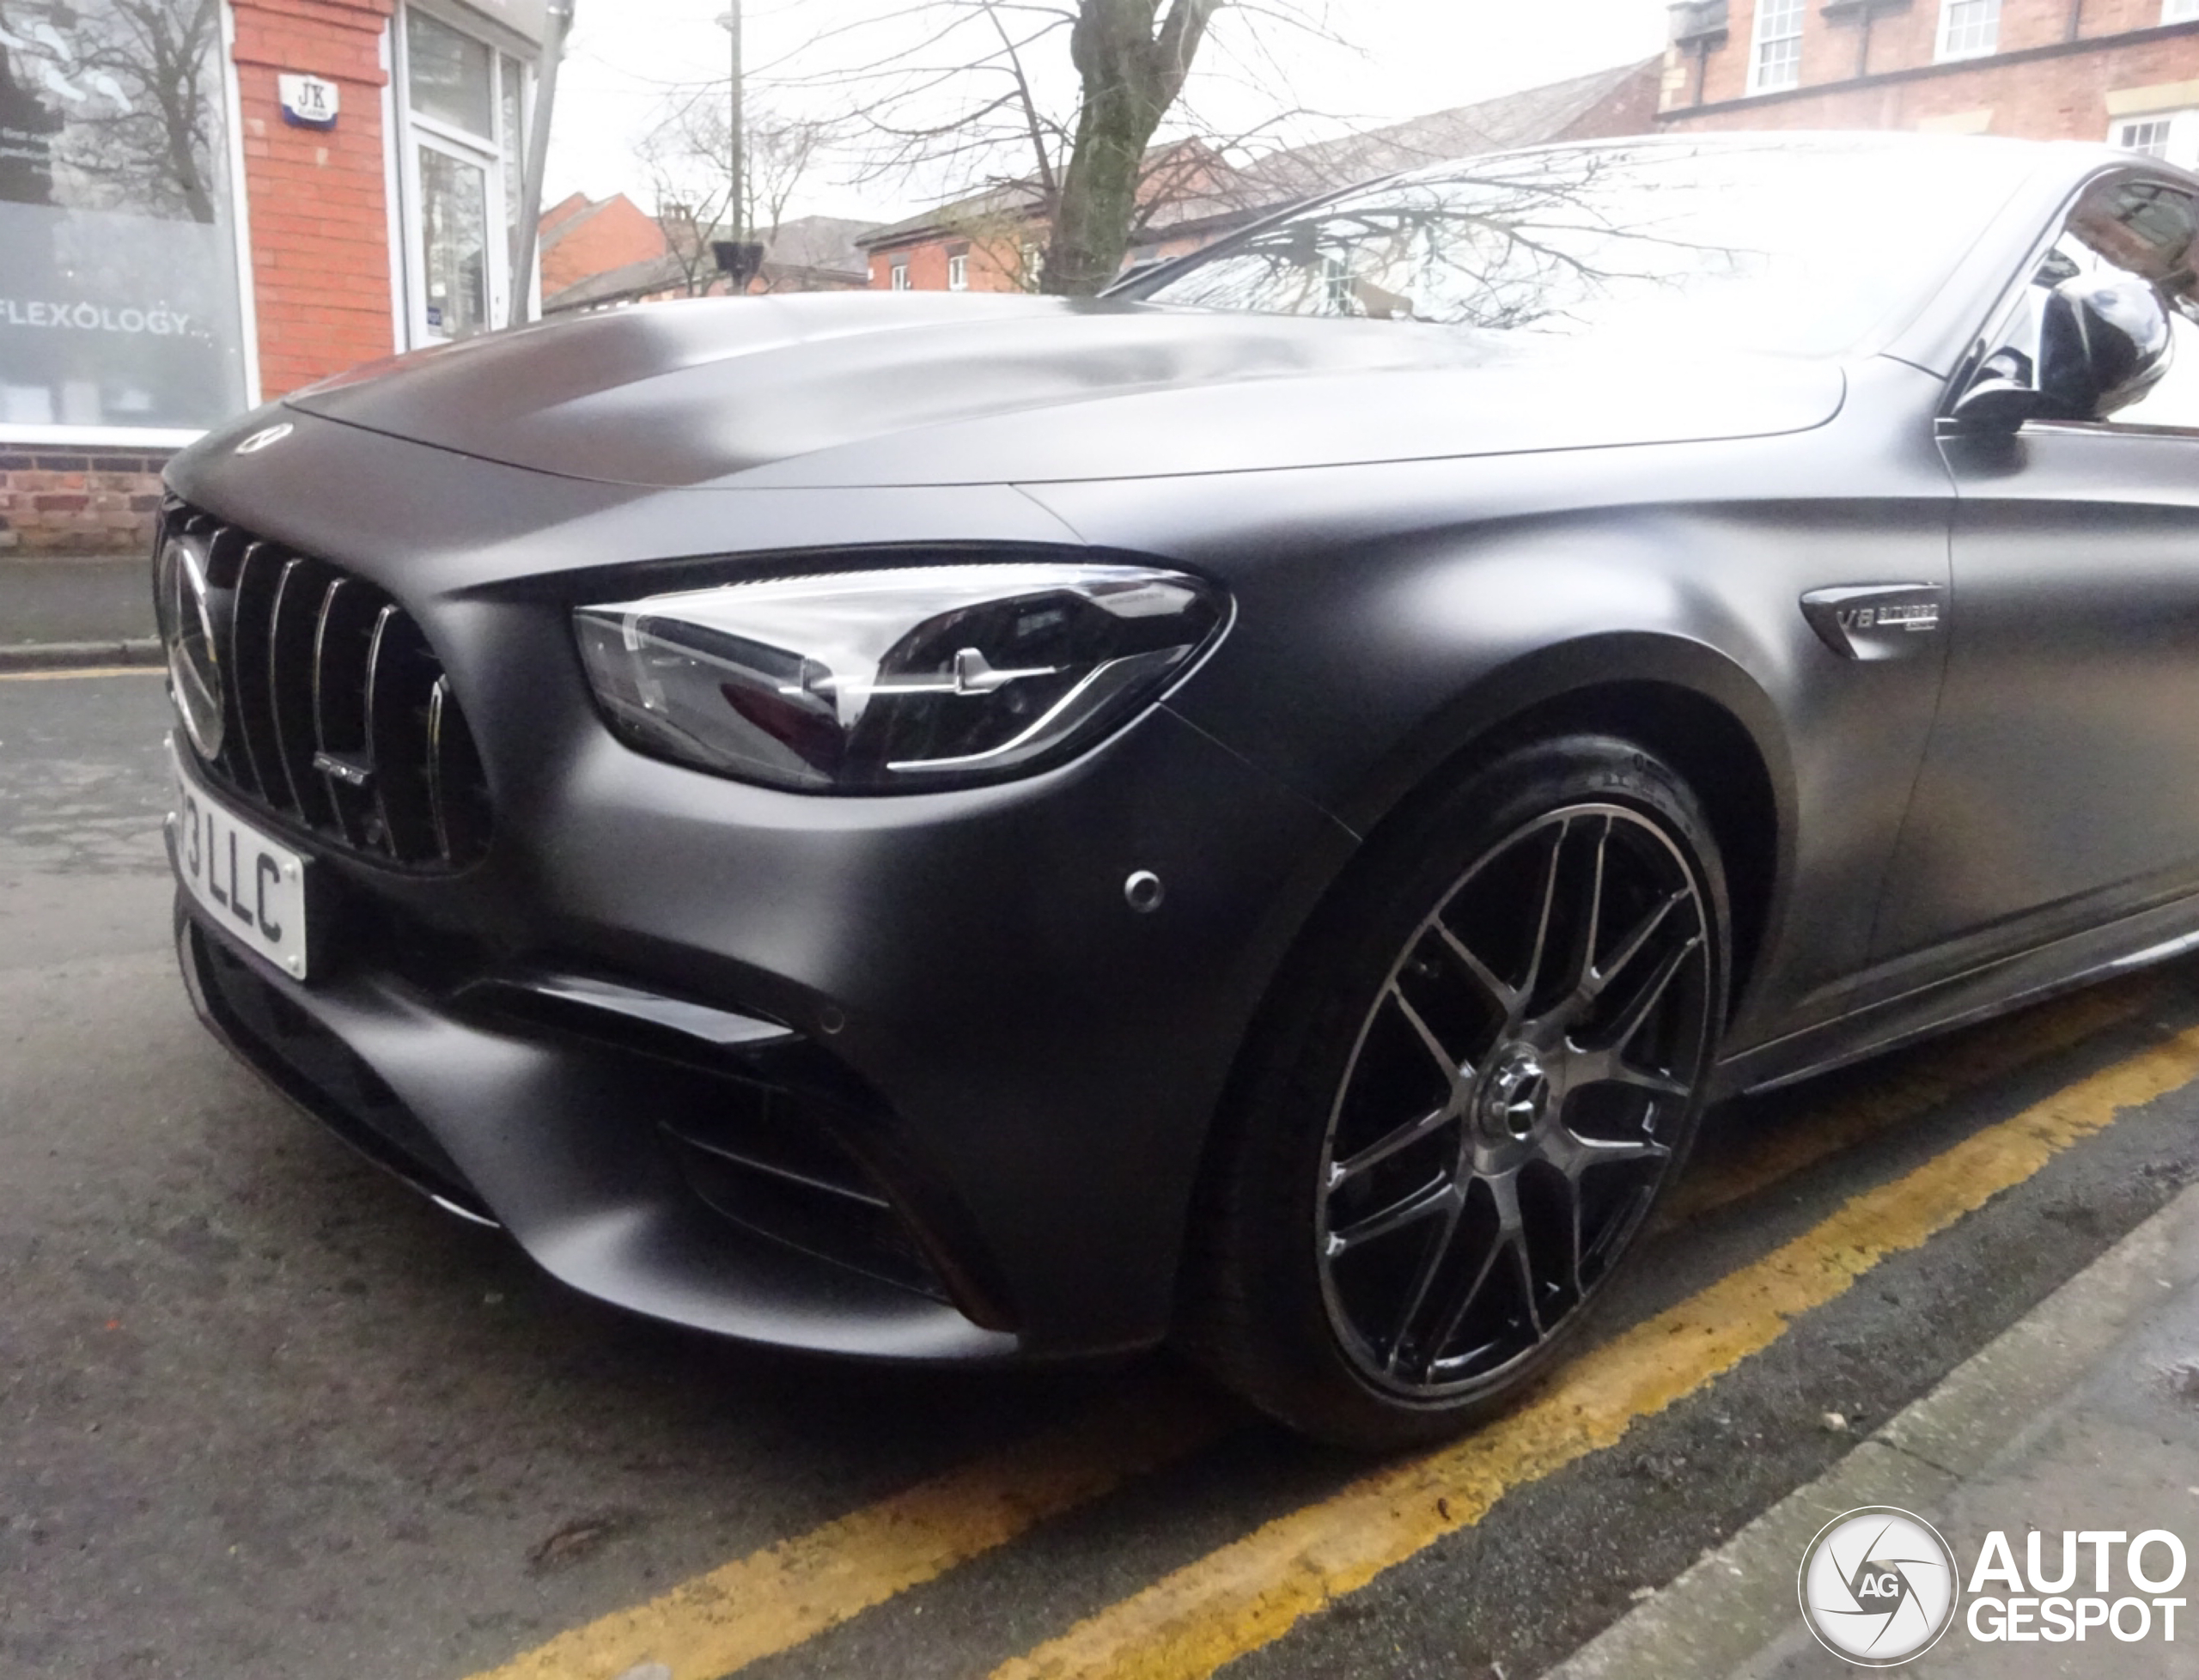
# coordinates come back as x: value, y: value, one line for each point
x: 863, y: 389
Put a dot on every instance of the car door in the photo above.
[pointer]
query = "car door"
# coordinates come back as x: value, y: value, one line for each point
x: 2061, y: 786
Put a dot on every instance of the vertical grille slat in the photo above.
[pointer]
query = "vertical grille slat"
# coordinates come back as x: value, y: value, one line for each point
x: 457, y: 792
x: 341, y: 721
x: 224, y: 548
x: 290, y: 639
x: 401, y: 678
x: 251, y: 616
x: 342, y: 644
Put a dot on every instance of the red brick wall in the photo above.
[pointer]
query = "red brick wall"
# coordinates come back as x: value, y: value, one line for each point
x: 1629, y: 108
x: 2060, y: 96
x: 61, y: 501
x: 595, y: 240
x: 318, y: 209
x: 990, y: 264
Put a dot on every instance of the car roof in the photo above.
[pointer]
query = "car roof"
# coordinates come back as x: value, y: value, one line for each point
x: 2048, y: 153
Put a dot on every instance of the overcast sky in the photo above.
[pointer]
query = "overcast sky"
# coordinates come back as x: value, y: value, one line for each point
x: 1404, y: 58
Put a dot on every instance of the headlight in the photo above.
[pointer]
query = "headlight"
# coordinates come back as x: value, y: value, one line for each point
x: 889, y: 681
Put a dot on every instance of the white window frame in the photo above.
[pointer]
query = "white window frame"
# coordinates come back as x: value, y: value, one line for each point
x: 1799, y: 12
x: 2179, y: 134
x: 1948, y: 51
x: 958, y: 272
x: 2179, y: 11
x: 897, y: 275
x: 414, y: 129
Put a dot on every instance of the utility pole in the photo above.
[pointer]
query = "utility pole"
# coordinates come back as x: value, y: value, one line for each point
x: 737, y: 211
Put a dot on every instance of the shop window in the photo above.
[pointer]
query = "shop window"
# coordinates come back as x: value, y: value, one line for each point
x: 451, y: 76
x: 120, y: 306
x: 465, y: 107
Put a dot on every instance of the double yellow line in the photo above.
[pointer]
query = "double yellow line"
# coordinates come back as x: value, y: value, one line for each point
x: 75, y: 672
x: 1249, y: 1593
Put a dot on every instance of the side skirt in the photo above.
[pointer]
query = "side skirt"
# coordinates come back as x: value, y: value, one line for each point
x: 2156, y: 935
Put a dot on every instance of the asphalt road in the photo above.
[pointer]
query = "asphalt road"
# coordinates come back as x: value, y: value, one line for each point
x: 263, y: 1413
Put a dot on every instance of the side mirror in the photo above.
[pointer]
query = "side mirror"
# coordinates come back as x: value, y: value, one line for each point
x: 2088, y: 348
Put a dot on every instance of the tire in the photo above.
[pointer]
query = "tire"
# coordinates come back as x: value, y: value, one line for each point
x: 1479, y: 1070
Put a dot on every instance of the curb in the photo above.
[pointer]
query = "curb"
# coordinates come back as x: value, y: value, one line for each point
x: 1738, y: 1603
x: 61, y: 655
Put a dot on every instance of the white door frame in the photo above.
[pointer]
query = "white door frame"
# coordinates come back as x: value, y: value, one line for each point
x: 412, y: 131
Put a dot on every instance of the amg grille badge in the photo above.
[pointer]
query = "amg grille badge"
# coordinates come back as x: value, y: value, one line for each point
x: 349, y: 771
x: 1874, y: 621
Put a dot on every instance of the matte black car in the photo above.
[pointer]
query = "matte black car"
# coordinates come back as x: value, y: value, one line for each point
x: 1258, y: 808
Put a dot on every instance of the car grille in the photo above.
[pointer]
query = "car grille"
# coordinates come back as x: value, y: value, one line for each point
x: 339, y: 719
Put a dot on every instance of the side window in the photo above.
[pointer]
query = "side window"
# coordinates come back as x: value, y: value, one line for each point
x: 2145, y: 229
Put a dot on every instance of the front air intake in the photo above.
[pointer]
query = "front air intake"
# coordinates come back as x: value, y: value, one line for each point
x: 339, y: 719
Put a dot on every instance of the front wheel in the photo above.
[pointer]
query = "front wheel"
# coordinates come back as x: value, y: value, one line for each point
x: 1481, y: 1071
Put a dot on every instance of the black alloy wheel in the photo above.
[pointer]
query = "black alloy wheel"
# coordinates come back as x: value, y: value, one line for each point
x: 1522, y: 995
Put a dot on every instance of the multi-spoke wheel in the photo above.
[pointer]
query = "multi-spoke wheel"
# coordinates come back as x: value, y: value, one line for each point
x: 1486, y: 1065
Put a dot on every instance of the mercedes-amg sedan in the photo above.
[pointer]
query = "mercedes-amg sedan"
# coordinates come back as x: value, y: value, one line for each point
x: 1258, y: 808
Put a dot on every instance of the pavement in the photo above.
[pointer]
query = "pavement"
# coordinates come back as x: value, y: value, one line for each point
x: 64, y: 610
x: 2079, y: 1419
x: 263, y: 1413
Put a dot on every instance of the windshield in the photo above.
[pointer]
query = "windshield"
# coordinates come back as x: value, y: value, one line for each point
x: 1793, y: 249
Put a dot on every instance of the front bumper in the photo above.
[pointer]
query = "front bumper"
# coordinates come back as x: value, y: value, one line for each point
x: 1023, y: 1066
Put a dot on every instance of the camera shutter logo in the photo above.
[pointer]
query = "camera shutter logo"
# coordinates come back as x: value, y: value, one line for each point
x: 1878, y: 1586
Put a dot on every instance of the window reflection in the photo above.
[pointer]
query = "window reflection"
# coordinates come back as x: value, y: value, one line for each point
x: 118, y: 274
x: 454, y: 231
x: 451, y: 76
x: 2145, y: 230
x: 1795, y: 249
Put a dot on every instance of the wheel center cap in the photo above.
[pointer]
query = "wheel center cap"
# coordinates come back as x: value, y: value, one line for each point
x: 1515, y: 1095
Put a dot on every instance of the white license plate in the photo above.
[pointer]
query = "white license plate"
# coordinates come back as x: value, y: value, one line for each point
x: 248, y: 884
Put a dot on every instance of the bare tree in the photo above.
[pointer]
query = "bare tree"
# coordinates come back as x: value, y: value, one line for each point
x: 688, y: 161
x: 1132, y: 64
x: 1084, y: 103
x: 136, y: 81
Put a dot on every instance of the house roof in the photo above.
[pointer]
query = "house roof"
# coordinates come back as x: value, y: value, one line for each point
x: 810, y: 245
x: 1019, y: 200
x: 570, y: 216
x: 571, y: 204
x: 1008, y: 199
x: 1532, y: 117
x: 820, y: 241
x: 1220, y: 192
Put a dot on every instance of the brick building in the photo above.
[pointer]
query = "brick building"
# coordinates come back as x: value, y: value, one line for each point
x: 584, y: 237
x: 994, y: 241
x: 806, y: 253
x: 2123, y: 71
x: 207, y: 203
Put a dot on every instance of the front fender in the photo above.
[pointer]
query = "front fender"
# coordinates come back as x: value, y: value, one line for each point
x: 1391, y: 619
